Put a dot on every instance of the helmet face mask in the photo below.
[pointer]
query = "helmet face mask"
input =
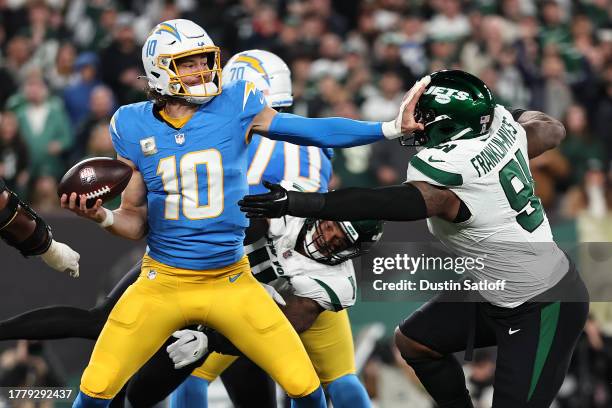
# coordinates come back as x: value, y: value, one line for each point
x: 167, y: 44
x: 208, y: 77
x: 357, y: 239
x: 455, y: 105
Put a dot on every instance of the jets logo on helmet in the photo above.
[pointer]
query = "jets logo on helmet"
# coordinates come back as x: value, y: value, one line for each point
x: 167, y: 43
x: 266, y: 70
x: 455, y: 105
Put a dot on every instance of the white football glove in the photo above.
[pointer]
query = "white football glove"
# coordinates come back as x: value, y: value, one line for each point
x: 393, y: 128
x: 274, y: 294
x: 62, y: 258
x: 189, y: 348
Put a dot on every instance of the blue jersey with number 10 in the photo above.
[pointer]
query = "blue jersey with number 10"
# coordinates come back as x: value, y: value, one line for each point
x: 275, y: 161
x: 194, y: 176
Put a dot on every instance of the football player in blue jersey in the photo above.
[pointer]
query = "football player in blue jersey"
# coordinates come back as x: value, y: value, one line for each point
x: 325, y: 333
x: 188, y: 148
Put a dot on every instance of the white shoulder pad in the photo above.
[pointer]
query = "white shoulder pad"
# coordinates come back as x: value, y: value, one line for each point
x: 440, y: 166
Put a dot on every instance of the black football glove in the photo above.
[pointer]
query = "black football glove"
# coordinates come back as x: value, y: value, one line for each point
x: 274, y: 204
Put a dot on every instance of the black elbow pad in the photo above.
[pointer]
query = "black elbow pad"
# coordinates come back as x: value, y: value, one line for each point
x: 14, y: 209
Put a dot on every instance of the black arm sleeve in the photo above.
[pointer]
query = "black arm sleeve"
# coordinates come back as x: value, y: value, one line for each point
x: 395, y: 203
x: 516, y: 114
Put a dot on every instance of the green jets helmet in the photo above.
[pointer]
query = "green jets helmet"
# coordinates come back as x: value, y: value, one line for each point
x: 455, y: 105
x: 359, y: 237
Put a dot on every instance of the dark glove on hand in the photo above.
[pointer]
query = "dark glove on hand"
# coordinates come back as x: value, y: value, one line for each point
x: 274, y: 204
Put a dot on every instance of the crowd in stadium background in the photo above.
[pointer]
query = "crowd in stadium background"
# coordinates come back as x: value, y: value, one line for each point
x: 65, y: 66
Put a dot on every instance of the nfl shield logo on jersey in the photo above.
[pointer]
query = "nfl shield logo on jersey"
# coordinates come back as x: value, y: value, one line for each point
x: 180, y: 138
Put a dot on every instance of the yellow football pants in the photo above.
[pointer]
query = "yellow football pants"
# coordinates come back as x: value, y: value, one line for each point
x: 164, y: 299
x: 329, y: 343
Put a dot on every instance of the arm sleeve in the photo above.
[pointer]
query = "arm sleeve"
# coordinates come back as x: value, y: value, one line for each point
x: 393, y: 203
x: 324, y: 132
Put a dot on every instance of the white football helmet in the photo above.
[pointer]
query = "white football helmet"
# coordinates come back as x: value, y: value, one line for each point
x: 266, y: 70
x: 174, y: 39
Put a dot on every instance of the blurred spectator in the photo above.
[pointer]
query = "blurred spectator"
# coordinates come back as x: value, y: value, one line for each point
x: 41, y: 33
x: 77, y: 96
x: 14, y: 157
x: 63, y: 74
x: 100, y: 143
x: 102, y: 107
x: 121, y: 63
x: 390, y: 382
x: 384, y: 105
x: 331, y: 62
x: 579, y: 145
x: 389, y: 58
x: 18, y: 58
x: 553, y: 29
x: 480, y: 373
x: 557, y: 96
x: 44, y: 126
x: 449, y: 22
x: 27, y: 365
x: 601, y: 114
x: 266, y: 27
x: 44, y: 194
x: 412, y: 49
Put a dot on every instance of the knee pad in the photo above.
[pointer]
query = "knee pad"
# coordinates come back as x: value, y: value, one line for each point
x: 96, y: 378
x: 15, y: 216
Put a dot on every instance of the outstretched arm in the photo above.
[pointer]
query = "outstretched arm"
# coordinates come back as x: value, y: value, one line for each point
x: 339, y: 132
x: 543, y: 131
x: 406, y: 202
x: 22, y: 228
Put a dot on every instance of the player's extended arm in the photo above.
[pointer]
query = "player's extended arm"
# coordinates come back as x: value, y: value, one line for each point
x: 543, y: 132
x: 339, y: 132
x: 21, y: 227
x: 129, y: 220
x: 406, y: 202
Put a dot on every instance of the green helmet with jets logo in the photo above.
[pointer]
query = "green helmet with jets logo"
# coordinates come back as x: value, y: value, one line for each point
x: 359, y: 237
x: 455, y: 105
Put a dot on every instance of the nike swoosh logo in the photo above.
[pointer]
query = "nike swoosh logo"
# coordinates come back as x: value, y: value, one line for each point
x: 511, y: 332
x: 432, y: 160
x: 280, y: 199
x: 235, y: 277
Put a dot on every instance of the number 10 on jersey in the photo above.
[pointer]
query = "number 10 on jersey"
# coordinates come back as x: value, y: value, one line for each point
x: 190, y: 185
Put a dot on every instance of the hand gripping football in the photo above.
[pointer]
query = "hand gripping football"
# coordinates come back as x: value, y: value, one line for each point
x: 97, y: 178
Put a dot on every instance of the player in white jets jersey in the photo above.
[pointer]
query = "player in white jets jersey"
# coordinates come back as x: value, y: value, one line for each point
x: 473, y: 184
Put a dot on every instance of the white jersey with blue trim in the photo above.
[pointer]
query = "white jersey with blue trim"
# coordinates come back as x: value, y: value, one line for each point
x: 508, y: 227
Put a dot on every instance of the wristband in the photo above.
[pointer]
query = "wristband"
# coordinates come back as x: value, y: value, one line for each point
x: 108, y: 220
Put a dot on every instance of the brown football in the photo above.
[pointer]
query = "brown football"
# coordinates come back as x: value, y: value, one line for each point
x: 98, y: 177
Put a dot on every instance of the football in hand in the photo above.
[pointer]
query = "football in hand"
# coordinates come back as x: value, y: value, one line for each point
x: 96, y: 178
